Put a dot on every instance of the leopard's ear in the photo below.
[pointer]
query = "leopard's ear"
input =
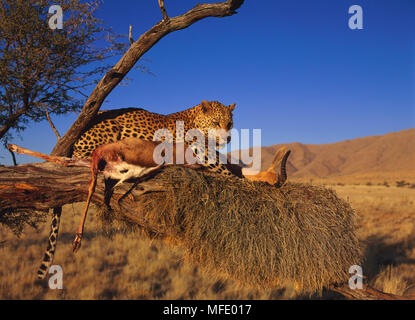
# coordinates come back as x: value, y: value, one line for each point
x: 205, y: 106
x: 232, y: 106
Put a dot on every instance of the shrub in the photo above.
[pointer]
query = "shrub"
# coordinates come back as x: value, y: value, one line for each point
x: 401, y: 183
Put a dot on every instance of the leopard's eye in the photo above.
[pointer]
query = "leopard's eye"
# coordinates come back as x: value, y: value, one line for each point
x: 217, y: 124
x: 229, y: 126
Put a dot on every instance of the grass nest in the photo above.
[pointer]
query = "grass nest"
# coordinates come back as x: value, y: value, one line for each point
x: 253, y: 232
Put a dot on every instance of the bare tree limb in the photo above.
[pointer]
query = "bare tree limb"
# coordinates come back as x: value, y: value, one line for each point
x: 114, y: 76
x: 13, y: 157
x: 163, y: 9
x: 130, y: 34
x: 58, y: 136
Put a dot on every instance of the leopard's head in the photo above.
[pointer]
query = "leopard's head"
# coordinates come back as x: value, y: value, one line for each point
x: 216, y: 118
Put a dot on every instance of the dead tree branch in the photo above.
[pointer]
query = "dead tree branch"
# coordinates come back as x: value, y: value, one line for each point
x: 41, y: 186
x: 13, y: 158
x: 130, y: 35
x: 58, y: 136
x: 163, y: 9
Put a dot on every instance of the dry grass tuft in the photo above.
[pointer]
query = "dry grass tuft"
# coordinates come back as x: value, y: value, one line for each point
x: 392, y: 280
x: 254, y: 232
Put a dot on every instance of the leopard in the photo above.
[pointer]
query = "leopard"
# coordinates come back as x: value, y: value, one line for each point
x: 113, y: 125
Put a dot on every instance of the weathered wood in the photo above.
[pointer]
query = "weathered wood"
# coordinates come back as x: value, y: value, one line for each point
x: 367, y: 293
x: 114, y: 76
x: 47, y: 185
x: 42, y: 186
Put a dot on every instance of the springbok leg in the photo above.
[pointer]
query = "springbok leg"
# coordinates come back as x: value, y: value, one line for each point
x: 63, y: 161
x: 91, y: 189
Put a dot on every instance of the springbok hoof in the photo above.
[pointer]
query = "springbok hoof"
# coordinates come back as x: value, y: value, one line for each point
x: 76, y: 244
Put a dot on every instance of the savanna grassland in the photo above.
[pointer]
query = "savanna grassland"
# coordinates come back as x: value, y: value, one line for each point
x: 374, y: 174
x: 386, y: 219
x: 111, y: 264
x: 117, y: 264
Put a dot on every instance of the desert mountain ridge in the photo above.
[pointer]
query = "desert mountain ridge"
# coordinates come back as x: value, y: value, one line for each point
x: 382, y: 154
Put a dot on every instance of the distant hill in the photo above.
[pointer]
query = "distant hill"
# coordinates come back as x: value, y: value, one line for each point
x: 384, y: 154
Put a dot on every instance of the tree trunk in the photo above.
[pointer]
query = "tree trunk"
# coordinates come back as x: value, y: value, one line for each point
x: 41, y: 186
x: 47, y: 185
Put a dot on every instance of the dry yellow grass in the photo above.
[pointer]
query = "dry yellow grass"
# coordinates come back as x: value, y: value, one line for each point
x: 387, y: 227
x: 125, y: 266
x: 371, y: 178
x: 384, y: 211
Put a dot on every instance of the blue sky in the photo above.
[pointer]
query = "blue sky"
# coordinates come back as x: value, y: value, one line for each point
x: 294, y: 69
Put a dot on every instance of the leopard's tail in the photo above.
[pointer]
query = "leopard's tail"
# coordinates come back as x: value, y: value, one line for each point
x: 50, y: 250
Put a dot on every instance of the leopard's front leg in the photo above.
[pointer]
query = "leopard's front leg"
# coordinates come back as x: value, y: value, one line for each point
x: 211, y: 159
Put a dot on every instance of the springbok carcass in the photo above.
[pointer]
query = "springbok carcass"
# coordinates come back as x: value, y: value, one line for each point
x: 128, y: 159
